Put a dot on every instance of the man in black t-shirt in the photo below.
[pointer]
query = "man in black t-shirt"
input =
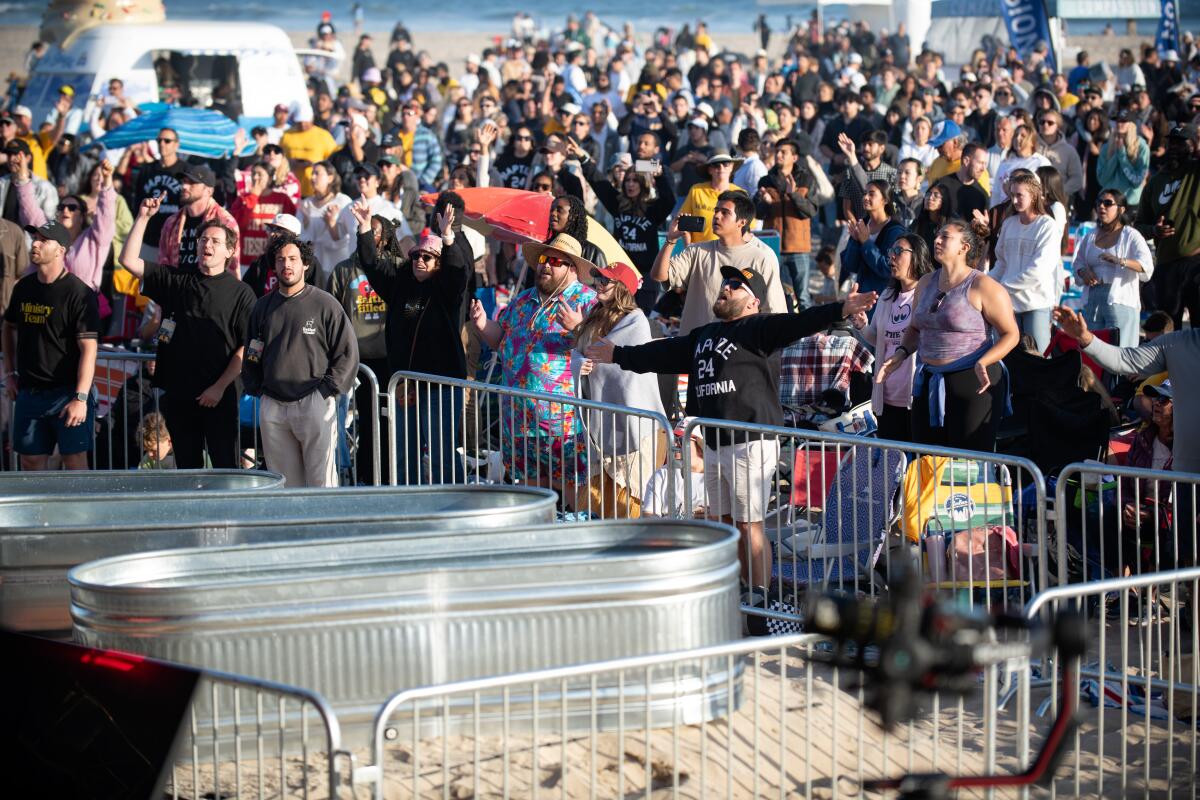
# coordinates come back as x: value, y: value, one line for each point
x: 963, y: 183
x: 733, y: 373
x: 160, y: 178
x: 205, y: 314
x: 51, y: 329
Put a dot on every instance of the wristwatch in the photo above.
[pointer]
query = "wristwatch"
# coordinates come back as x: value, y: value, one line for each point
x: 80, y: 396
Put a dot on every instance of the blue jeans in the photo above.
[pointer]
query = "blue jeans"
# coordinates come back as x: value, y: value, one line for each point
x: 1036, y: 323
x: 1100, y: 314
x: 433, y: 425
x: 794, y: 269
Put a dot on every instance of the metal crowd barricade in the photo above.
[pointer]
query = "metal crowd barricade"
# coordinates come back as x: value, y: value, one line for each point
x: 1112, y: 520
x: 250, y: 738
x: 835, y: 509
x: 1139, y: 731
x: 586, y: 731
x: 125, y: 397
x: 597, y: 456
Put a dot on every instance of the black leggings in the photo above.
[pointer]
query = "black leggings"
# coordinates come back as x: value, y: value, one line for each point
x: 970, y: 419
x: 895, y: 424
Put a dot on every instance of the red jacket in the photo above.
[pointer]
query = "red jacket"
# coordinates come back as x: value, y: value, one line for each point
x: 253, y: 213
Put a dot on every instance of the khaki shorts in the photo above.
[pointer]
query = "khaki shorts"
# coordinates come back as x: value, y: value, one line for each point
x: 738, y: 479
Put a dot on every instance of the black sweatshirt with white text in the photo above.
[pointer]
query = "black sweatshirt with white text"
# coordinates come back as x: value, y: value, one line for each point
x: 298, y: 345
x: 732, y: 367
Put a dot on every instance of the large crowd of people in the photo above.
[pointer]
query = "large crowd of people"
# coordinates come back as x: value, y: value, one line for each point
x: 853, y: 199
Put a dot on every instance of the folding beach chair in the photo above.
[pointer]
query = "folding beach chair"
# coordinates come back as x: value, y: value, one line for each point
x: 860, y: 508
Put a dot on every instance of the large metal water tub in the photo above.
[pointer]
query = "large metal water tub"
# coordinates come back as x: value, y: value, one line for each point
x: 359, y: 619
x: 16, y: 485
x: 42, y: 538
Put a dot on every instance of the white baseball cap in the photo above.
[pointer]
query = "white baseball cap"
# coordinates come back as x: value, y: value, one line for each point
x: 287, y: 222
x: 22, y: 111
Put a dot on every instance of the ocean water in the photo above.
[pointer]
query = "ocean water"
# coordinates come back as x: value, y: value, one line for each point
x: 494, y: 17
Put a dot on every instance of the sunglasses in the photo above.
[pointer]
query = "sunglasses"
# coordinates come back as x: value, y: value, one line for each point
x: 7, y: 122
x: 552, y: 261
x: 600, y: 279
x: 72, y: 207
x: 1047, y: 123
x: 1105, y: 203
x: 523, y: 138
x: 162, y: 140
x: 734, y: 283
x: 429, y: 257
x: 937, y: 302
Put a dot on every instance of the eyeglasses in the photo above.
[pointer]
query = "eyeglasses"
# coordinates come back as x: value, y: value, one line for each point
x: 552, y: 261
x: 897, y: 250
x: 72, y: 207
x: 165, y: 140
x: 600, y: 279
x: 1105, y: 202
x: 937, y: 302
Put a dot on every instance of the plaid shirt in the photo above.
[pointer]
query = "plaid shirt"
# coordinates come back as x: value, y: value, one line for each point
x: 853, y: 191
x: 815, y: 363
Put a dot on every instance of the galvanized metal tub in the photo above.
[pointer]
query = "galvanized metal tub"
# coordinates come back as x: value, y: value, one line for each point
x: 359, y: 619
x: 18, y: 485
x: 41, y: 539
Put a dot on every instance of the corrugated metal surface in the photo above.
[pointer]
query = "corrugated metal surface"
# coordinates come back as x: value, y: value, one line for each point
x: 41, y: 540
x: 17, y: 485
x: 359, y: 619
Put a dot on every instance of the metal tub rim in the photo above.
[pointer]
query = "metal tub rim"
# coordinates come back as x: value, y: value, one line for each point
x: 399, y: 579
x: 271, y: 481
x: 539, y: 498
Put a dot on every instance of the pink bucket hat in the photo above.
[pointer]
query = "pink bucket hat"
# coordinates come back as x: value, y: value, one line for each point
x: 427, y: 242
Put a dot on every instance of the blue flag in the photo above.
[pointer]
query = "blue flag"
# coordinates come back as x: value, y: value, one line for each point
x: 1028, y: 23
x: 1168, y: 27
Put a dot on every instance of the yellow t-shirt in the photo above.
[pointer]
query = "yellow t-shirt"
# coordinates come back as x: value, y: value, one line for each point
x: 701, y: 201
x: 406, y: 139
x: 311, y: 146
x: 940, y: 168
x: 39, y: 145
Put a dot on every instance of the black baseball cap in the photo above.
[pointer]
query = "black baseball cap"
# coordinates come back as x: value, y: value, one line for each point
x: 53, y: 230
x: 198, y: 173
x: 367, y: 168
x: 1185, y: 132
x: 750, y: 278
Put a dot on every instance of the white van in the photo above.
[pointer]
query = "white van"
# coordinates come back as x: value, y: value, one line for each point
x: 252, y: 65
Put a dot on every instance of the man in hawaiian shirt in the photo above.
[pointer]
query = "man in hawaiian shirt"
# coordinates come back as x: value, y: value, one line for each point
x: 542, y: 442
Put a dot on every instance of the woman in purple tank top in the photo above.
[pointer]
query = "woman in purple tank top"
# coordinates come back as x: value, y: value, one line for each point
x: 962, y: 329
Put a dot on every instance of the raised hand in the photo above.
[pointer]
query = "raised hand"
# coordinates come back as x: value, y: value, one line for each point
x: 1073, y: 324
x: 568, y: 317
x: 150, y: 205
x: 846, y: 145
x: 446, y: 221
x: 478, y: 315
x: 361, y: 209
x: 856, y: 302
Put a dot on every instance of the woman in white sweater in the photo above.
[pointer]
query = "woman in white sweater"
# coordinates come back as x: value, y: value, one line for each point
x: 1110, y: 264
x: 1028, y: 257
